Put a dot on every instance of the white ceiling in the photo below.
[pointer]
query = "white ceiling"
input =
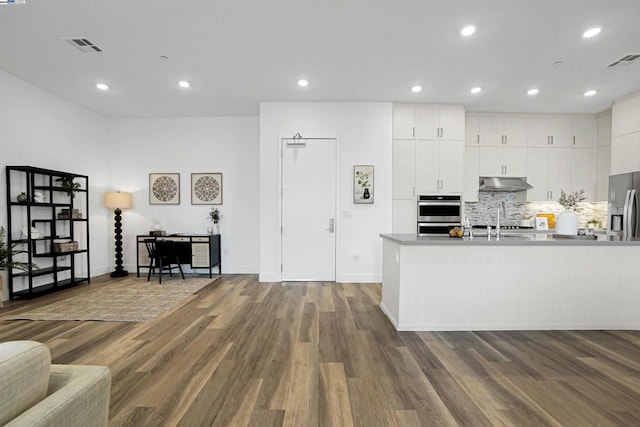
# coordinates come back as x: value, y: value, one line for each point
x: 237, y: 53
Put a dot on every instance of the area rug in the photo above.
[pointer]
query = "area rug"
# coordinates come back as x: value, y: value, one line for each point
x: 131, y: 300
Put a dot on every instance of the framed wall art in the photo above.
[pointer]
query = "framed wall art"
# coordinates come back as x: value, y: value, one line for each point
x: 206, y: 188
x: 542, y: 223
x: 363, y: 184
x: 164, y: 188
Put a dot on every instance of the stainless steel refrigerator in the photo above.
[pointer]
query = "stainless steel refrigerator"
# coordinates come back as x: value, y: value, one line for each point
x: 623, y: 205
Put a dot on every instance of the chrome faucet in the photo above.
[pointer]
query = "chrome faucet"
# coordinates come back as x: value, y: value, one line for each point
x: 501, y: 208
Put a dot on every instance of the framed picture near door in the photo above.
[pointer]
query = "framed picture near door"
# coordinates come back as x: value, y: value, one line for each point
x: 363, y: 184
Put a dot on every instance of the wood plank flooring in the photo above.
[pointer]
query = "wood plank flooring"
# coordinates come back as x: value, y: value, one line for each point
x: 243, y: 353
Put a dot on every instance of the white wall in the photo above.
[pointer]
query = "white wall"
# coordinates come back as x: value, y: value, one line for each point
x: 365, y: 135
x: 38, y: 128
x: 190, y: 145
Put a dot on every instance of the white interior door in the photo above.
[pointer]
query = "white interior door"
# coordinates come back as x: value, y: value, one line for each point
x: 309, y: 177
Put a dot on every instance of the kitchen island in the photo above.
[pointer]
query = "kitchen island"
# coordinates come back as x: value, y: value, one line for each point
x: 515, y: 283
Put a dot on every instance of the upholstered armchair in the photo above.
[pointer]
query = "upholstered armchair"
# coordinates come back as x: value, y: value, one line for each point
x: 35, y: 393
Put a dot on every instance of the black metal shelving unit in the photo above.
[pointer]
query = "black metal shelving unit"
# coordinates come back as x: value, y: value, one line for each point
x: 51, y: 271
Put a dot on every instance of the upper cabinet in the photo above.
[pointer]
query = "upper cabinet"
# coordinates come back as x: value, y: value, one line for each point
x: 416, y: 121
x: 503, y: 161
x: 439, y: 166
x: 625, y: 132
x: 583, y: 132
x: 544, y: 131
x: 404, y: 169
x: 626, y: 116
x: 502, y: 130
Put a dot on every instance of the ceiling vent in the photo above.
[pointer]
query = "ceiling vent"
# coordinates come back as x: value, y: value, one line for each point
x: 626, y: 60
x: 83, y: 45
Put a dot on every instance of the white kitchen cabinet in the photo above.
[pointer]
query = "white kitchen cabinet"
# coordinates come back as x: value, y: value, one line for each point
x: 404, y: 121
x: 582, y: 176
x: 603, y: 161
x: 472, y: 130
x: 583, y: 132
x: 499, y: 130
x: 404, y: 169
x: 625, y: 153
x: 550, y: 170
x: 560, y: 161
x: 404, y: 216
x: 503, y: 161
x: 471, y: 173
x: 538, y: 174
x: 603, y: 124
x: 625, y: 117
x: 422, y: 121
x: 549, y: 131
x: 439, y: 166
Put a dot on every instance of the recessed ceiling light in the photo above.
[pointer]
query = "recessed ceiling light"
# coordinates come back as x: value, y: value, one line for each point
x: 184, y: 84
x: 303, y: 83
x: 532, y: 92
x: 591, y: 32
x: 102, y: 86
x: 416, y: 89
x: 468, y: 30
x: 476, y: 90
x: 590, y: 92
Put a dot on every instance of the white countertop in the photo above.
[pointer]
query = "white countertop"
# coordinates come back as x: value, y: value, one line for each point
x: 512, y: 239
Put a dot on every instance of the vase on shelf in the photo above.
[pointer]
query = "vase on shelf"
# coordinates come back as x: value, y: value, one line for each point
x: 366, y: 195
x: 567, y: 223
x: 215, y: 228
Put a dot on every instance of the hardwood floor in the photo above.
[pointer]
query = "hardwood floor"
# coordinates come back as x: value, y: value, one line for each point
x: 322, y: 354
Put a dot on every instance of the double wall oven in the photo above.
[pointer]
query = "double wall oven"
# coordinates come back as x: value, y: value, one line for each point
x: 437, y: 214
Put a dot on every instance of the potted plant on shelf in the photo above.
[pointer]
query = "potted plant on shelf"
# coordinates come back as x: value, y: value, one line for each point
x: 69, y: 186
x: 567, y: 221
x: 6, y: 258
x: 214, y: 216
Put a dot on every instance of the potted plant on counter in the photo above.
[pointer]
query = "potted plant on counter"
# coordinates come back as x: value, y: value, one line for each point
x: 567, y: 221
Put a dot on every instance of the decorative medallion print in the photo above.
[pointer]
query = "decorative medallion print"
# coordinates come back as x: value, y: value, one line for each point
x: 165, y: 189
x: 206, y: 188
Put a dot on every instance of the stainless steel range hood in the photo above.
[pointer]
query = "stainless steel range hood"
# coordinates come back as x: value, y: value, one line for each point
x: 490, y: 183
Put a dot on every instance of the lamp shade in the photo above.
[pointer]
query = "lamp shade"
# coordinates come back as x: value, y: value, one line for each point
x: 114, y: 200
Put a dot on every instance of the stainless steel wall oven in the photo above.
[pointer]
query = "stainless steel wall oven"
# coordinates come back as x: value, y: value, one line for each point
x: 437, y: 214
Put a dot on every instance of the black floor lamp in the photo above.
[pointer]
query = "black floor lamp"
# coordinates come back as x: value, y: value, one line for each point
x: 118, y: 201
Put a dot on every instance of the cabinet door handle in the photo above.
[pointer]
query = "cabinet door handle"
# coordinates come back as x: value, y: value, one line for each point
x: 574, y: 140
x: 441, y: 132
x: 413, y: 131
x: 505, y: 139
x: 478, y: 138
x: 551, y: 139
x: 413, y: 191
x: 506, y: 170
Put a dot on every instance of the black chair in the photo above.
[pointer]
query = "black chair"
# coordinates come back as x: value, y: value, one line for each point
x: 163, y: 255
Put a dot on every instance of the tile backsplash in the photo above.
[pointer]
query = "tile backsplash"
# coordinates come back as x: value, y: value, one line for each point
x: 485, y: 210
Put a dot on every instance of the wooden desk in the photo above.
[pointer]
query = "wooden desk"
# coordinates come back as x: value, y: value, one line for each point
x: 199, y: 251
